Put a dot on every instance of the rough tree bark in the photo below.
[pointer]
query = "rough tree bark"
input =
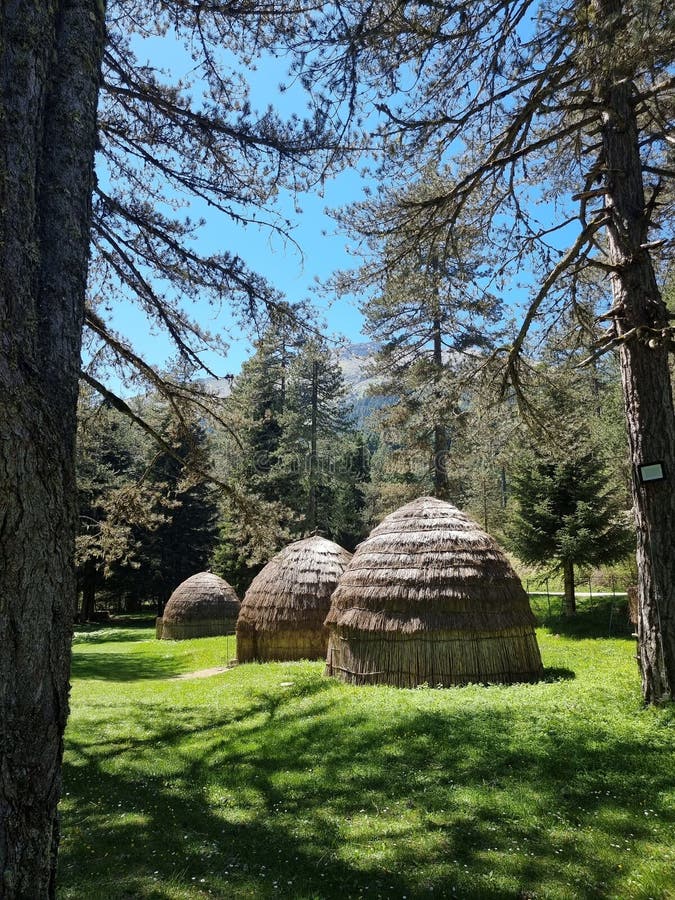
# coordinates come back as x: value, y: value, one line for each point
x: 641, y: 319
x: 50, y: 52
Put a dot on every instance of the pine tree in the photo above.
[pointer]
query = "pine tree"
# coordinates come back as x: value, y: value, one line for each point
x: 423, y: 311
x: 293, y: 455
x: 566, y: 514
x: 182, y: 542
x: 251, y: 454
x: 317, y: 431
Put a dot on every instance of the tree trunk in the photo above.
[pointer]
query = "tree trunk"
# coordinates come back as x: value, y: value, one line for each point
x: 441, y: 481
x: 569, y: 600
x: 640, y: 319
x: 88, y: 590
x: 50, y: 52
x: 503, y: 486
x: 132, y: 602
x: 313, y: 461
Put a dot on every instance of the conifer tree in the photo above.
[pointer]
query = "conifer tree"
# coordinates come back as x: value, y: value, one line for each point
x: 182, y: 542
x: 71, y: 85
x: 251, y: 455
x: 566, y: 514
x: 317, y: 420
x: 293, y: 453
x: 423, y: 310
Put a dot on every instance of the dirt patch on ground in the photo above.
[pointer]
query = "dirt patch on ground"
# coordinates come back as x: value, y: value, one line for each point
x: 202, y: 673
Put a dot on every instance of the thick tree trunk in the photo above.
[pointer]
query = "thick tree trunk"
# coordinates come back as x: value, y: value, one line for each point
x: 641, y: 319
x: 50, y: 54
x: 569, y: 600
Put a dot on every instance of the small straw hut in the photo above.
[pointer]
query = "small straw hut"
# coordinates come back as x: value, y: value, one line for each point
x: 204, y: 605
x: 283, y: 611
x: 430, y: 598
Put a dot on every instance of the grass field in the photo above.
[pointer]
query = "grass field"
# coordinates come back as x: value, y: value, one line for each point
x: 273, y: 781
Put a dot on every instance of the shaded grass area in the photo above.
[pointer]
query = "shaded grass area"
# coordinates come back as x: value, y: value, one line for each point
x: 601, y: 617
x: 135, y: 654
x: 273, y: 781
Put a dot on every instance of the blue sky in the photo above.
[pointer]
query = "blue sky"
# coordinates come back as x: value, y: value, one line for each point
x: 291, y: 270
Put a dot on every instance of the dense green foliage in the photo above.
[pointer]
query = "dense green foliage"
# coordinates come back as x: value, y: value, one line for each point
x: 293, y: 453
x: 423, y: 310
x: 148, y: 522
x: 566, y: 515
x: 109, y: 460
x: 147, y: 514
x: 182, y: 541
x: 273, y: 781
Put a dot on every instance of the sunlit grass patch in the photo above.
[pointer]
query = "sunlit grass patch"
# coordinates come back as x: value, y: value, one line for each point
x: 273, y: 781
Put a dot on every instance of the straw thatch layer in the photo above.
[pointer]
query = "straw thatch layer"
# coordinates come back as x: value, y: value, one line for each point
x: 204, y: 605
x: 430, y: 598
x: 282, y: 614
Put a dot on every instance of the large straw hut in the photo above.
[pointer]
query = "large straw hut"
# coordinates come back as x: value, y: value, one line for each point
x: 282, y: 614
x: 430, y: 598
x: 204, y: 605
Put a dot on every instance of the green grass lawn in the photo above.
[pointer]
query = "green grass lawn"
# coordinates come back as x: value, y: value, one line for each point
x: 273, y: 781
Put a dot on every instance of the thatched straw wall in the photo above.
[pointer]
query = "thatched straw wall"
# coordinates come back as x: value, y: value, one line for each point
x: 430, y: 598
x: 204, y: 605
x: 282, y: 614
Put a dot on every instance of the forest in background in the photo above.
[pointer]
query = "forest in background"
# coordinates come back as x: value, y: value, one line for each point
x: 314, y: 436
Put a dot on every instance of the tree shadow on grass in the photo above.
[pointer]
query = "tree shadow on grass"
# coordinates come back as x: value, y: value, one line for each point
x: 560, y: 673
x: 318, y: 796
x: 123, y: 667
x: 601, y: 618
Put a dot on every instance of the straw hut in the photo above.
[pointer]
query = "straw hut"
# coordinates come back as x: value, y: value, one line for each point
x: 283, y: 611
x: 204, y: 605
x: 430, y: 598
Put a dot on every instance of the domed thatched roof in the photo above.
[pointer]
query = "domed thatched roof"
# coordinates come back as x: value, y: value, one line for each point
x: 283, y: 611
x: 430, y: 597
x: 203, y: 605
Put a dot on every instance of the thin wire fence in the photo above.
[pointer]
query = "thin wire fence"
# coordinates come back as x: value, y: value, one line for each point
x: 593, y: 592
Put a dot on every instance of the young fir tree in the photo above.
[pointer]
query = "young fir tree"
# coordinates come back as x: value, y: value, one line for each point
x: 569, y: 487
x: 566, y: 514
